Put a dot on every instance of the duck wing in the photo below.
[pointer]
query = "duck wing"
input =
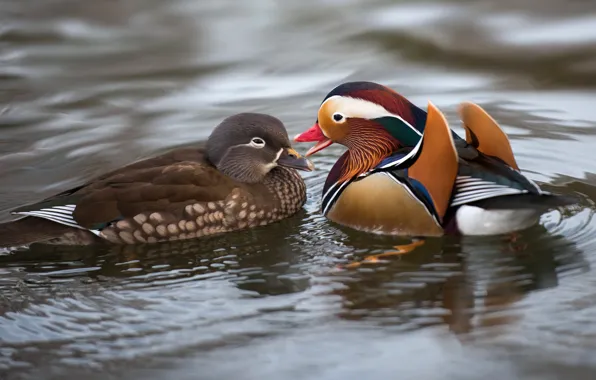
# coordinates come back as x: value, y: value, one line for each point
x: 162, y: 185
x: 488, y: 182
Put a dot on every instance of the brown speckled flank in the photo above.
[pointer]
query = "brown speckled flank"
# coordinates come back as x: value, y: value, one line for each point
x: 239, y: 210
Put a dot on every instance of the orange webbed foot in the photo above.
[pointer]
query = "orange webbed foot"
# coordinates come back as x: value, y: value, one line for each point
x: 399, y: 250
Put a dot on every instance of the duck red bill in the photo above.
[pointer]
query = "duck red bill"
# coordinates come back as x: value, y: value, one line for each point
x: 314, y: 133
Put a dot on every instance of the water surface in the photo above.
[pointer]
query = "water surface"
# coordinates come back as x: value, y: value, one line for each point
x: 87, y: 87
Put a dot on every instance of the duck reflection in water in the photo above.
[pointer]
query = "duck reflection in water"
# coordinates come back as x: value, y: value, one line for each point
x: 469, y: 284
x: 257, y: 260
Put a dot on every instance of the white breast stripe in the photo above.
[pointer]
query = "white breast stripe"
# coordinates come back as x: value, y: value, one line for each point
x: 412, y: 153
x: 329, y: 191
x: 56, y: 214
x: 330, y: 201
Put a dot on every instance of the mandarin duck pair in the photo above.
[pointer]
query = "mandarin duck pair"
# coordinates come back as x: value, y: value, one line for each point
x: 404, y: 173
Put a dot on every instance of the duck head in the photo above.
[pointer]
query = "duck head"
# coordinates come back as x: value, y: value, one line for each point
x: 247, y: 146
x: 356, y: 108
x: 371, y: 120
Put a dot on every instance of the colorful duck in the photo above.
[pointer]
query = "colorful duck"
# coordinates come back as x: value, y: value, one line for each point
x: 244, y: 176
x: 379, y: 126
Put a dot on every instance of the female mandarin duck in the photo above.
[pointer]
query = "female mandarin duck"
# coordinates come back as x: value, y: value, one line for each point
x: 244, y: 177
x: 378, y: 126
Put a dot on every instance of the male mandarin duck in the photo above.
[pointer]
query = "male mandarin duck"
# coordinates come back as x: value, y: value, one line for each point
x: 244, y: 176
x: 378, y: 126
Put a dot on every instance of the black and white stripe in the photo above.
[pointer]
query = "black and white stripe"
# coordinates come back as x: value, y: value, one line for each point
x: 406, y: 160
x: 407, y: 187
x: 62, y: 214
x: 331, y: 196
x: 470, y: 189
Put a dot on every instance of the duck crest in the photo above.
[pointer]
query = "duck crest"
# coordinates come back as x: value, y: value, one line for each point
x: 408, y: 127
x: 408, y: 133
x: 403, y: 132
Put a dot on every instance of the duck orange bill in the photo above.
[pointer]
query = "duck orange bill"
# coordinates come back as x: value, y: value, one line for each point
x: 314, y: 134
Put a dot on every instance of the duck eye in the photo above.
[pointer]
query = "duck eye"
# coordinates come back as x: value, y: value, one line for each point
x: 338, y: 117
x: 257, y: 142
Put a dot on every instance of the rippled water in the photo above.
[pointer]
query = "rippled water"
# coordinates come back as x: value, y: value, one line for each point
x: 89, y: 86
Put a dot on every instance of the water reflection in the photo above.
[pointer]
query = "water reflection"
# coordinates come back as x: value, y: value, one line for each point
x: 456, y: 282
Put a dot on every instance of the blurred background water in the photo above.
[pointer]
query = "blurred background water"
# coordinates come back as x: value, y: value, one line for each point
x: 90, y: 86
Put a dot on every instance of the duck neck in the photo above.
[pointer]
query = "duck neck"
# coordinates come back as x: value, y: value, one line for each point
x: 407, y: 129
x: 419, y: 117
x: 367, y: 147
x: 288, y: 187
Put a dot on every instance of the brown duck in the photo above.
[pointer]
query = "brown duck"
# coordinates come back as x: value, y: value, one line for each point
x: 244, y: 176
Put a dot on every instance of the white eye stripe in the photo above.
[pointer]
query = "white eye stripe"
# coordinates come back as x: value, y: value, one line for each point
x: 257, y: 142
x: 350, y: 107
x: 360, y: 108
